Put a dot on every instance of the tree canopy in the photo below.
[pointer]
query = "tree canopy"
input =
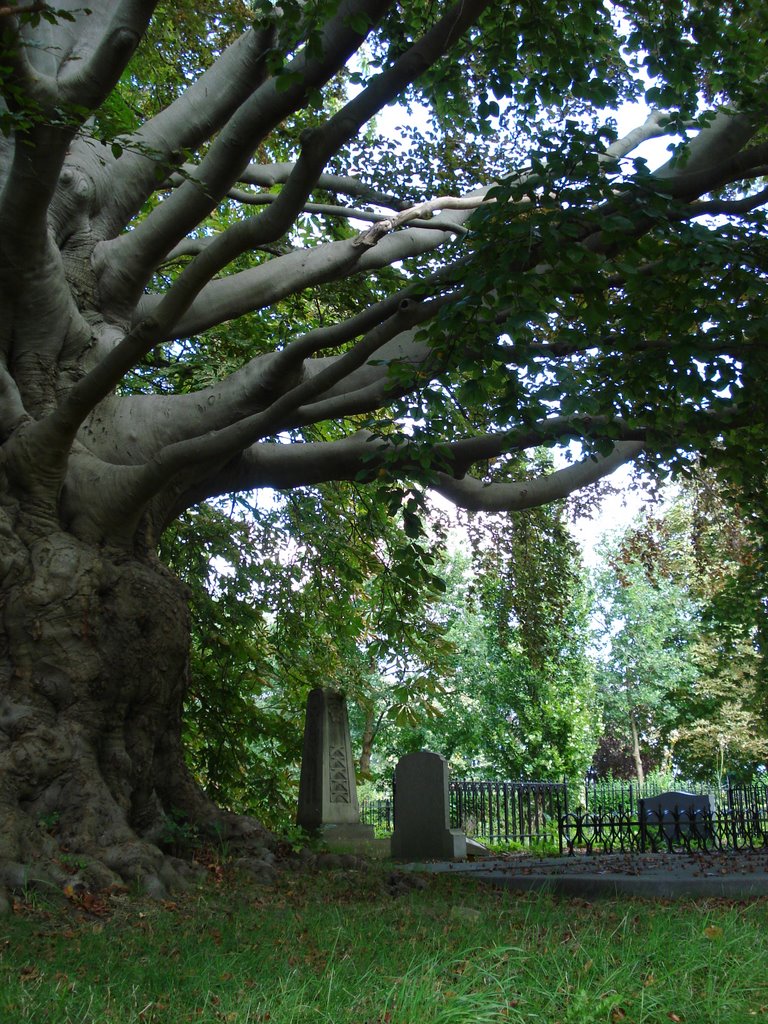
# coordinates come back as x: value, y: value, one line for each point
x: 426, y: 302
x: 248, y: 246
x: 680, y: 656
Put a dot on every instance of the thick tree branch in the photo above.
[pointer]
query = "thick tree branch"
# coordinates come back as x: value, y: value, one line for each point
x: 25, y: 9
x: 295, y: 355
x: 477, y: 496
x: 728, y: 207
x: 38, y: 303
x: 460, y: 456
x: 371, y: 386
x: 52, y: 88
x: 128, y: 261
x: 32, y: 96
x: 92, y: 69
x: 229, y: 297
x: 201, y: 110
x: 23, y: 85
x: 218, y: 446
x: 280, y: 466
x: 154, y: 422
x: 714, y: 157
x: 361, y: 455
x: 654, y: 127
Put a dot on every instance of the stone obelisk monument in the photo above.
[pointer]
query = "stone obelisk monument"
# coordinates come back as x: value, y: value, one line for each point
x: 327, y: 791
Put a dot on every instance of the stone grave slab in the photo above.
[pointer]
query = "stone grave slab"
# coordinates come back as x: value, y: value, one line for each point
x: 422, y: 811
x: 678, y: 812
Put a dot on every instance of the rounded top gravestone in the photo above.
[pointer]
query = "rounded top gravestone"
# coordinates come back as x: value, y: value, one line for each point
x: 422, y: 810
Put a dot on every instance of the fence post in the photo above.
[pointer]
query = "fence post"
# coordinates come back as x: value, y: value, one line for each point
x: 641, y: 815
x: 562, y: 818
x: 731, y: 815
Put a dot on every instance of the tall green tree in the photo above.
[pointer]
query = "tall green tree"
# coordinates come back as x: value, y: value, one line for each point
x: 518, y: 698
x: 647, y: 627
x: 681, y: 596
x: 218, y: 275
x: 722, y: 725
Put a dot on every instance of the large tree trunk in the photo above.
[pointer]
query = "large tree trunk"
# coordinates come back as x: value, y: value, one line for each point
x: 93, y: 664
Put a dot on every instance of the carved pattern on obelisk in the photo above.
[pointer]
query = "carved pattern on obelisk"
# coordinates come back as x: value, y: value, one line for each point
x: 339, y: 776
x: 338, y: 767
x: 327, y: 793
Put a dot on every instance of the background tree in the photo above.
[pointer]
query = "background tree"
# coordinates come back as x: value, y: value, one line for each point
x: 682, y: 598
x: 647, y: 628
x: 722, y: 727
x: 518, y: 697
x: 416, y: 308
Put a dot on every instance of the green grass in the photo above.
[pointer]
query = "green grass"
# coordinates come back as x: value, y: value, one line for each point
x: 337, y: 948
x: 535, y: 848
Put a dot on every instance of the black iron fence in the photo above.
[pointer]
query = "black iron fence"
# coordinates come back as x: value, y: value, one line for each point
x: 379, y: 813
x: 600, y: 816
x: 508, y: 812
x: 623, y: 794
x: 738, y: 822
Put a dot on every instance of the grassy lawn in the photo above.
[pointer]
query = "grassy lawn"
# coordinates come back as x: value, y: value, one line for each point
x: 338, y: 947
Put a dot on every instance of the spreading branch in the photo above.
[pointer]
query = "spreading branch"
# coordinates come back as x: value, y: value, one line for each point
x: 478, y: 496
x: 129, y: 260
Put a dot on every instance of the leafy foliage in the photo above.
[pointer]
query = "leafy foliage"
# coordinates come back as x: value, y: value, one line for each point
x: 322, y: 587
x: 682, y: 599
x: 517, y: 698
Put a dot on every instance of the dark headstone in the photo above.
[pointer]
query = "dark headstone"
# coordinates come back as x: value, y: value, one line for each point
x: 680, y: 814
x: 422, y: 811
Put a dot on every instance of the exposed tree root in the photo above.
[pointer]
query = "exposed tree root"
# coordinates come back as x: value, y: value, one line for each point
x: 52, y: 865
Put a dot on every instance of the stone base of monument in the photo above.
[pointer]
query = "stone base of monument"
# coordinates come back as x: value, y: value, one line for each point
x: 345, y: 832
x: 354, y: 838
x: 475, y: 850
